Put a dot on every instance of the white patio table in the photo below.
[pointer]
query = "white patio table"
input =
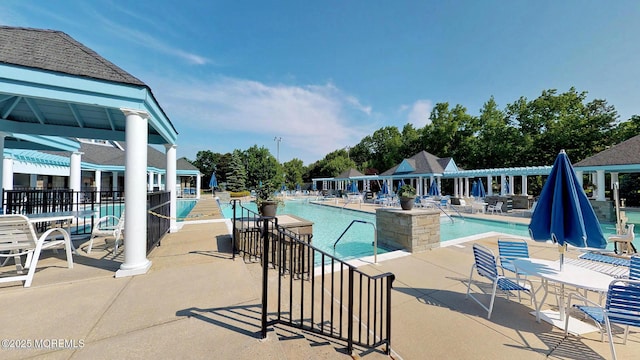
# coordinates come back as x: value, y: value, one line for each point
x: 571, y: 275
x: 66, y: 217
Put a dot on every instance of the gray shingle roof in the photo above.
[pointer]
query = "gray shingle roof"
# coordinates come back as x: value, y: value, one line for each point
x: 424, y: 163
x: 624, y: 153
x: 56, y: 51
x: 349, y: 174
x: 98, y: 154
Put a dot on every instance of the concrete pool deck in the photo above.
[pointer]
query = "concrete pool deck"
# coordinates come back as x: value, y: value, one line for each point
x: 196, y: 302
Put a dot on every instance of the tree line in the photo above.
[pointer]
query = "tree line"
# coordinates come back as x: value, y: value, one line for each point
x: 523, y: 133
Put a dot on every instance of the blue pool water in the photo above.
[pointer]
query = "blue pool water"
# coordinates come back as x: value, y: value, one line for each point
x: 183, y: 208
x: 330, y: 222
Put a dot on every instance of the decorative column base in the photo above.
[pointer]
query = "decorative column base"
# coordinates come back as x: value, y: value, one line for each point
x: 413, y: 230
x: 132, y: 271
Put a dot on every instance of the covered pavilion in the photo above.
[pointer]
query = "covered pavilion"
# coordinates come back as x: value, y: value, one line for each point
x: 51, y: 85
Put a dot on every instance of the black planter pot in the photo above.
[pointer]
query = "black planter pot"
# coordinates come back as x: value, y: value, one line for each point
x: 406, y: 203
x: 268, y: 208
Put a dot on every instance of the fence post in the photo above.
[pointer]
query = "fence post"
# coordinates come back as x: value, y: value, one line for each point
x: 390, y: 280
x: 233, y: 235
x: 350, y: 313
x: 265, y: 273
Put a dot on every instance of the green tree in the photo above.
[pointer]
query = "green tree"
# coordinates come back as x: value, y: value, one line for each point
x: 293, y: 169
x: 261, y: 166
x: 237, y: 176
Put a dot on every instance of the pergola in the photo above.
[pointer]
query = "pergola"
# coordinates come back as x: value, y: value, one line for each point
x: 53, y: 86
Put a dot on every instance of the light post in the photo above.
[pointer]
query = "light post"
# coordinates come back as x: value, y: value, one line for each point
x: 348, y: 148
x: 277, y: 139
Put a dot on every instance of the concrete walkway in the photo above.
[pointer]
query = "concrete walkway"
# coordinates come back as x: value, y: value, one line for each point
x: 198, y: 303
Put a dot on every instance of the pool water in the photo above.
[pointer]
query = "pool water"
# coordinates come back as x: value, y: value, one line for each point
x: 329, y: 223
x: 183, y: 208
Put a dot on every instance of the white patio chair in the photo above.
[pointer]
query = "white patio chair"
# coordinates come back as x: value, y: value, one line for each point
x: 108, y: 227
x: 497, y: 207
x: 17, y: 238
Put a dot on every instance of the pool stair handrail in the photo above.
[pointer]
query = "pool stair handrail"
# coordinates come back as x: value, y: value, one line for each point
x: 444, y: 212
x: 375, y: 237
x: 303, y: 285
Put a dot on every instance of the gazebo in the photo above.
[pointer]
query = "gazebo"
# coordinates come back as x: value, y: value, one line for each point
x: 53, y: 86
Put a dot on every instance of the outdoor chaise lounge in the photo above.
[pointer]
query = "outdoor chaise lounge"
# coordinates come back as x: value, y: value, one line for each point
x: 17, y: 238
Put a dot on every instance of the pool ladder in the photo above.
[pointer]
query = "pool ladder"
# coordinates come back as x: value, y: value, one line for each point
x: 375, y: 238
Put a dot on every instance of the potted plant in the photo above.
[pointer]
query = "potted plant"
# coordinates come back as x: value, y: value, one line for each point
x: 407, y: 194
x: 266, y: 200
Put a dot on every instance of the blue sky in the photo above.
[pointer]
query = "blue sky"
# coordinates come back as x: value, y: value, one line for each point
x: 321, y: 75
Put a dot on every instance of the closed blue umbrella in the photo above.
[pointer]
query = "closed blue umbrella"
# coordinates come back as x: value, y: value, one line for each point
x: 506, y: 187
x: 213, y: 183
x: 354, y: 187
x: 481, y: 191
x: 563, y: 213
x: 474, y: 189
x: 385, y: 188
x: 433, y: 189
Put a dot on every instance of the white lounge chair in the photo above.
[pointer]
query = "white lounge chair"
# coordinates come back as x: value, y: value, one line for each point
x: 108, y: 227
x: 17, y: 238
x: 625, y: 241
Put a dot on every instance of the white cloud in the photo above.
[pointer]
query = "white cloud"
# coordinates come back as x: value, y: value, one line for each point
x: 419, y: 112
x: 314, y: 119
x: 150, y: 42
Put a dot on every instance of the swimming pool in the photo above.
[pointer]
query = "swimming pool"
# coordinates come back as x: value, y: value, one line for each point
x: 183, y: 208
x: 330, y: 222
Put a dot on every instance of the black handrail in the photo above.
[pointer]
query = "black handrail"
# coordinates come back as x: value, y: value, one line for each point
x: 375, y: 237
x: 320, y: 305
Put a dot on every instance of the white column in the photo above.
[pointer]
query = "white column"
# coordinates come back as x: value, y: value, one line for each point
x: 7, y: 173
x: 198, y: 185
x: 439, y: 183
x: 511, y: 187
x: 158, y: 181
x: 98, y: 180
x: 33, y: 181
x: 600, y: 184
x: 466, y: 187
x: 170, y: 180
x: 580, y: 175
x: 75, y: 175
x: 135, y: 202
x: 455, y: 187
x: 149, y: 180
x: 489, y: 185
x: 524, y: 185
x: 503, y: 182
x: 2, y: 135
x: 114, y: 180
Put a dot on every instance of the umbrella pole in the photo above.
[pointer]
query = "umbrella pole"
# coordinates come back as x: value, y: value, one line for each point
x: 562, y: 249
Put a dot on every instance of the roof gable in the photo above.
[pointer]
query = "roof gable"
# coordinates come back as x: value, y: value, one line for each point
x: 624, y: 153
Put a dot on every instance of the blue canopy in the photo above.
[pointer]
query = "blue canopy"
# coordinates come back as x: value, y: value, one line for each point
x: 563, y: 213
x: 354, y: 187
x: 481, y: 192
x: 433, y: 189
x: 298, y: 188
x: 213, y: 183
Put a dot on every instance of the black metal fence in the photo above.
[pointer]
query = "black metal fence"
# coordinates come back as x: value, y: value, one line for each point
x: 316, y: 291
x: 91, y: 205
x: 158, y: 220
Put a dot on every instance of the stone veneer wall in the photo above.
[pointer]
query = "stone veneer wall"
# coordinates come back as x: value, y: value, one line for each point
x: 413, y: 230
